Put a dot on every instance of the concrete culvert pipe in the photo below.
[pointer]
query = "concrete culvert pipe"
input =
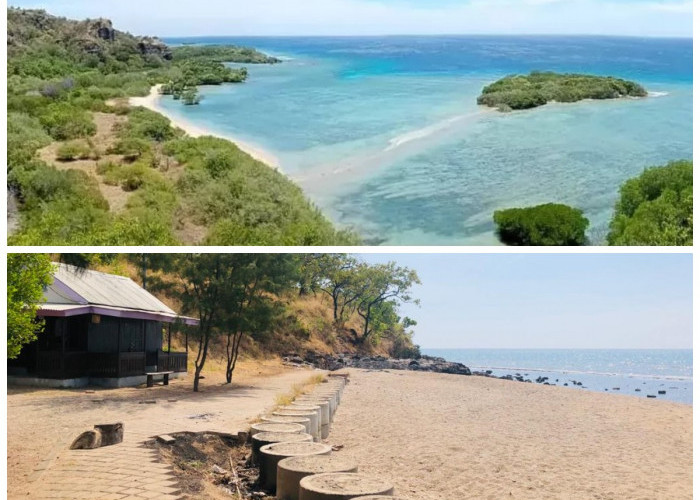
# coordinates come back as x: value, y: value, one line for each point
x: 274, y: 427
x: 318, y: 397
x: 325, y: 413
x: 308, y: 408
x: 272, y: 419
x: 304, y: 407
x: 319, y: 401
x: 264, y: 438
x: 342, y: 486
x: 315, y: 422
x: 379, y: 497
x: 335, y: 395
x: 271, y: 454
x: 337, y: 384
x: 291, y: 471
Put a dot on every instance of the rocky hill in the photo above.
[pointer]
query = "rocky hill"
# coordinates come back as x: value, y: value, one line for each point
x: 82, y: 41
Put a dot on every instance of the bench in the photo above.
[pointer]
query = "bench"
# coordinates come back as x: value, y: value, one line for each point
x: 150, y: 375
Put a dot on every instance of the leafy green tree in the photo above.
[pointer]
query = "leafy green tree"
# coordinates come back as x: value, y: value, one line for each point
x: 384, y: 287
x: 27, y: 275
x: 543, y: 225
x: 655, y: 208
x: 341, y: 279
x: 310, y: 272
x: 205, y: 286
x: 252, y: 308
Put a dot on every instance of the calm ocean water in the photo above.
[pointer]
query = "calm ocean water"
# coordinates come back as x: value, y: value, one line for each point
x: 384, y: 133
x: 650, y: 370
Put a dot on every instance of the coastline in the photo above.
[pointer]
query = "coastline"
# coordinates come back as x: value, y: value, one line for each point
x: 151, y: 102
x: 442, y: 436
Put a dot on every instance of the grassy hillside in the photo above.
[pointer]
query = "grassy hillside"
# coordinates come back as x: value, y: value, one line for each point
x: 84, y: 168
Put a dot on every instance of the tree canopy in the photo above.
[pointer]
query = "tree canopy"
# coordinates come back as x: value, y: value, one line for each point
x: 655, y: 208
x: 27, y: 276
x: 549, y: 225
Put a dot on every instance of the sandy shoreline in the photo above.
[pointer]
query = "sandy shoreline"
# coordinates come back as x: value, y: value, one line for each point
x: 151, y: 102
x: 443, y: 437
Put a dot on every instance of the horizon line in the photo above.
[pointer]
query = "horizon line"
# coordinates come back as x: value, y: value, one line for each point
x: 391, y: 35
x: 563, y: 348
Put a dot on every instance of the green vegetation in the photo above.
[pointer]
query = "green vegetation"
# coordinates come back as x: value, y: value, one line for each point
x: 221, y: 53
x: 64, y: 76
x: 539, y: 88
x: 74, y: 150
x: 655, y: 208
x: 27, y: 275
x: 372, y: 292
x: 549, y: 225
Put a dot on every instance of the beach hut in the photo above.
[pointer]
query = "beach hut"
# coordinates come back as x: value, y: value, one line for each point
x: 100, y: 329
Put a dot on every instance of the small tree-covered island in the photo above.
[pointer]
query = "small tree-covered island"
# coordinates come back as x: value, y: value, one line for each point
x: 539, y: 88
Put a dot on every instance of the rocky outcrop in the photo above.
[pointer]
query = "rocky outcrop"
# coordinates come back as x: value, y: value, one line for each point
x: 102, y: 28
x: 334, y: 362
x: 151, y: 46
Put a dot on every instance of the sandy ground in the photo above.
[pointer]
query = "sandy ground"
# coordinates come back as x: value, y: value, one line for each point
x: 451, y: 437
x: 43, y: 422
x: 151, y: 102
x: 104, y: 138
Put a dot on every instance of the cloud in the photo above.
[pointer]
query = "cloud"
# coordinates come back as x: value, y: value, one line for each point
x: 362, y: 17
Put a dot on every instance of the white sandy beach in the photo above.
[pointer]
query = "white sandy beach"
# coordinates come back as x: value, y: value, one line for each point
x: 151, y: 102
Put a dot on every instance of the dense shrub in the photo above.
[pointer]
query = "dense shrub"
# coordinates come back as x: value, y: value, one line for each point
x: 63, y: 122
x: 551, y: 225
x: 24, y: 136
x: 132, y: 148
x: 655, y: 208
x: 146, y: 124
x: 74, y: 150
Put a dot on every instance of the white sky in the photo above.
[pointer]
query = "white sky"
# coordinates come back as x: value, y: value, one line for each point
x: 362, y: 17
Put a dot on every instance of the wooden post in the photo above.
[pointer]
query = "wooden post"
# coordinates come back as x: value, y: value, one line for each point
x: 63, y: 349
x: 170, y: 325
x: 119, y: 347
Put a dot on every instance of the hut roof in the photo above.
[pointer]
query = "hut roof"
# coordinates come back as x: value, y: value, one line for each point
x: 77, y: 291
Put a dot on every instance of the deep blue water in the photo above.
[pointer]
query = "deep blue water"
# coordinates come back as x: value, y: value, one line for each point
x: 598, y: 369
x: 385, y: 135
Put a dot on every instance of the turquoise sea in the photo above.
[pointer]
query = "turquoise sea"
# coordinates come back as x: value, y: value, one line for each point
x: 384, y: 133
x: 635, y: 372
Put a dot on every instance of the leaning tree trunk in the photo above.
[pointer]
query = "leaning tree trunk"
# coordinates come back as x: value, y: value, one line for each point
x: 199, y: 362
x: 230, y: 343
x: 232, y: 348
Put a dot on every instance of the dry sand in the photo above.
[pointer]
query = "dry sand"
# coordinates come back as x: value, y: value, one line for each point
x: 151, y: 102
x: 452, y: 437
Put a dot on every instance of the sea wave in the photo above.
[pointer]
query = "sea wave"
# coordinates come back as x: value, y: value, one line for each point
x: 657, y: 94
x: 425, y: 132
x: 586, y: 372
